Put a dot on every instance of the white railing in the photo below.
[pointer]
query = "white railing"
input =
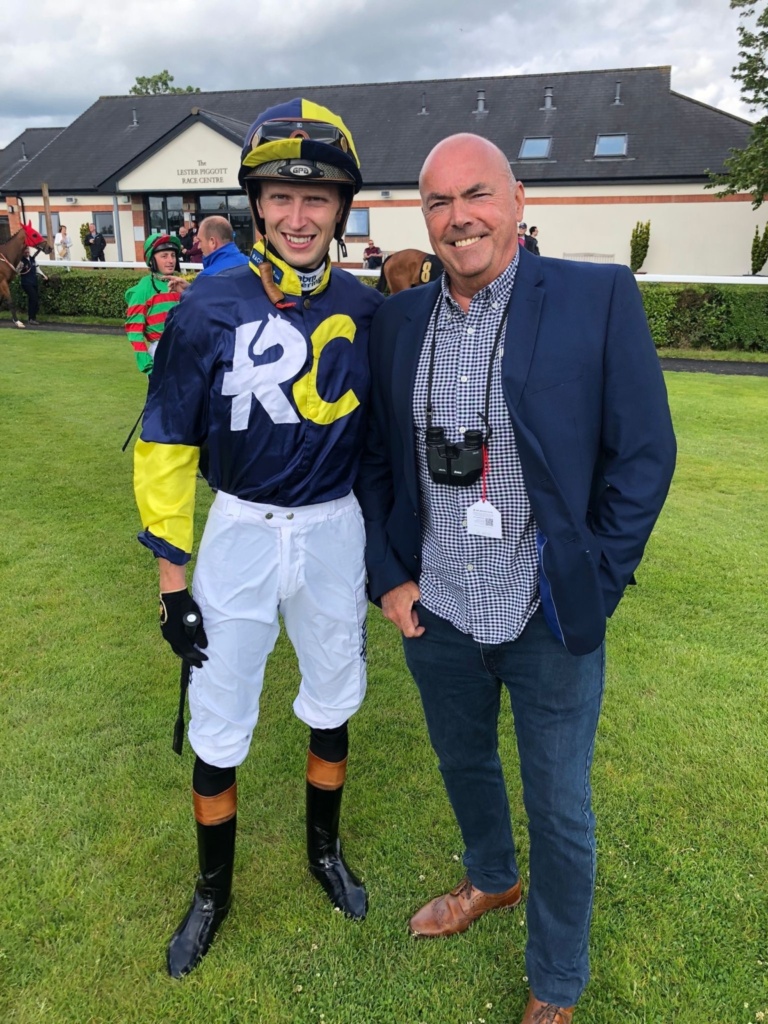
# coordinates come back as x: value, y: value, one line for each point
x: 669, y: 278
x: 126, y: 264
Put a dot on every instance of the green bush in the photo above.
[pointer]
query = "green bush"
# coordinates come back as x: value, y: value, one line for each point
x: 82, y: 292
x: 717, y: 316
x: 732, y: 317
x: 638, y: 244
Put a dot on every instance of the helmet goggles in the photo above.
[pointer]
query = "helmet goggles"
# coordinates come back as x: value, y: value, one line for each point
x: 315, y: 131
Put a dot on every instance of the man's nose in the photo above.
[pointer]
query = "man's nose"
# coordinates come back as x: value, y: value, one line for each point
x: 461, y: 213
x: 297, y: 214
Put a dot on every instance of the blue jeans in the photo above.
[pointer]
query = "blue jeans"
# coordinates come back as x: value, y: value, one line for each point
x: 555, y: 700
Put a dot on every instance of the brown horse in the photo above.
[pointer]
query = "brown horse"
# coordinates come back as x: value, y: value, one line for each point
x: 11, y: 253
x: 408, y: 268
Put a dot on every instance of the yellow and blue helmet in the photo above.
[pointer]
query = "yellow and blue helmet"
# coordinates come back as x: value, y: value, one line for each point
x: 303, y: 143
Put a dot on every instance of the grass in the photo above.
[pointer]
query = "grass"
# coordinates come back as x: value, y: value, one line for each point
x: 717, y: 355
x: 96, y: 838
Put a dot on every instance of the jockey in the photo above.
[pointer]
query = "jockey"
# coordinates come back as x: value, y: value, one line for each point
x: 150, y: 300
x: 268, y: 364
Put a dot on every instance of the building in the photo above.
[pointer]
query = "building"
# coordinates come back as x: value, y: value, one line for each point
x: 598, y: 151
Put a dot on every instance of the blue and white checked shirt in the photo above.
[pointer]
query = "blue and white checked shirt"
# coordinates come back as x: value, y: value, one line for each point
x: 485, y: 587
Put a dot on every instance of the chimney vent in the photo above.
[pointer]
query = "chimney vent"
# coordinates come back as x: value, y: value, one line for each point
x: 135, y: 121
x: 423, y: 104
x: 617, y: 97
x: 480, y: 108
x: 548, y: 104
x: 24, y: 152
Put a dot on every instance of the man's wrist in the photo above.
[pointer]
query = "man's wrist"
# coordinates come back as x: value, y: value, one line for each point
x: 172, y: 577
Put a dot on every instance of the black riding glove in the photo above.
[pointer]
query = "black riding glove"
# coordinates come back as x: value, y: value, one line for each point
x: 181, y: 623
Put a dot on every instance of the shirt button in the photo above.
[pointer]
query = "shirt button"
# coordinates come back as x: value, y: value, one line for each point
x: 268, y: 515
x: 470, y: 567
x: 463, y: 378
x: 463, y: 522
x: 495, y: 305
x: 470, y: 330
x: 307, y: 303
x: 289, y: 516
x: 462, y: 430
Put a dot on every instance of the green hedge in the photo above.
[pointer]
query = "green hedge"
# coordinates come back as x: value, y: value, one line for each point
x: 717, y: 316
x: 723, y: 317
x: 82, y: 292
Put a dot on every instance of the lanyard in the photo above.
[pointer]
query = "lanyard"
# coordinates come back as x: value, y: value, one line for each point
x: 433, y: 347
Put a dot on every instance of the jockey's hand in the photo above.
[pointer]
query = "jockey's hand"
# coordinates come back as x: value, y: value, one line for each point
x: 181, y: 623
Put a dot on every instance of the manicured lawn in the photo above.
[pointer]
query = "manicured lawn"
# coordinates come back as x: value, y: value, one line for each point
x: 96, y: 836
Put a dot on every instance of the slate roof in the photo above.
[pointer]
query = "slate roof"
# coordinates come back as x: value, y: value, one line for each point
x: 671, y: 137
x: 23, y: 148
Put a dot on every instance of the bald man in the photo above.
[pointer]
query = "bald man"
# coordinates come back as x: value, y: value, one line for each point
x: 520, y: 450
x: 216, y: 239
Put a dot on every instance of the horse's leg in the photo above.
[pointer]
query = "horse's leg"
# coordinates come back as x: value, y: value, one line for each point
x: 5, y: 293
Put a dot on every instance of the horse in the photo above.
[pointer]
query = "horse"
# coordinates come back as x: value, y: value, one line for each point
x: 11, y: 253
x: 407, y: 269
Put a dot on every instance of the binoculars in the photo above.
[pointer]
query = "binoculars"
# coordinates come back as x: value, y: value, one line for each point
x: 458, y: 464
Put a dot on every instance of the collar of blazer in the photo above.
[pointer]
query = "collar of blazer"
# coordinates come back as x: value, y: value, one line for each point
x: 520, y: 335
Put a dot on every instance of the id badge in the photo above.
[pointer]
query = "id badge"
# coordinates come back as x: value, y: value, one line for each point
x: 483, y: 520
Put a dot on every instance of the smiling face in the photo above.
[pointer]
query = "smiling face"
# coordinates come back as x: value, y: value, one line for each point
x: 165, y: 260
x: 472, y: 204
x: 300, y: 220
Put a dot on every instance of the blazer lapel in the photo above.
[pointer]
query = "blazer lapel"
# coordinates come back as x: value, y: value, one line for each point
x: 408, y: 345
x: 522, y: 326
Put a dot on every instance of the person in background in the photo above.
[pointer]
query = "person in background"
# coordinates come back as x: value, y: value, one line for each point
x: 187, y: 239
x: 62, y: 244
x: 532, y: 242
x: 28, y: 275
x: 96, y: 244
x: 216, y: 240
x: 522, y: 227
x: 194, y: 253
x: 150, y: 300
x: 519, y: 451
x: 371, y: 255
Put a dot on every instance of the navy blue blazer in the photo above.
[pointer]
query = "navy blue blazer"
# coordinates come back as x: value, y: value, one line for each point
x: 588, y: 405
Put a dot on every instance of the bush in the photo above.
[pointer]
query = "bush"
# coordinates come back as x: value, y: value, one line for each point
x: 81, y: 292
x: 725, y: 316
x: 638, y: 245
x: 759, y: 249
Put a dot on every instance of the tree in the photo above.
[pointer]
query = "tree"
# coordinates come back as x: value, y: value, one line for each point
x: 759, y: 249
x: 638, y: 245
x: 747, y: 169
x: 154, y: 85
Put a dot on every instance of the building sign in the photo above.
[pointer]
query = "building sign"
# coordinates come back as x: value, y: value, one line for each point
x: 201, y: 174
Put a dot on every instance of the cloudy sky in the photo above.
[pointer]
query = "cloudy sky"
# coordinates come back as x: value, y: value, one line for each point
x: 64, y: 54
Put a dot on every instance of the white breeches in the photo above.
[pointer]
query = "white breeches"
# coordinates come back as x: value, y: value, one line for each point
x: 256, y: 561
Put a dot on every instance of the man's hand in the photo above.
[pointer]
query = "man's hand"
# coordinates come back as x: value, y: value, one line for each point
x: 181, y: 623
x: 397, y: 606
x: 177, y: 284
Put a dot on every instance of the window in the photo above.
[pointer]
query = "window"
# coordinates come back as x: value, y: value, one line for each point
x: 611, y: 145
x: 166, y: 214
x: 105, y: 224
x: 535, y: 149
x: 358, y: 222
x: 55, y: 223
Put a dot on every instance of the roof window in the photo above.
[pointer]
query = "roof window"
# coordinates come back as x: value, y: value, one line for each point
x: 535, y: 148
x: 611, y: 145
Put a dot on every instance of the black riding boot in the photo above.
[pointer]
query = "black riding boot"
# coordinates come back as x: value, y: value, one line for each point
x: 212, y: 899
x: 326, y: 861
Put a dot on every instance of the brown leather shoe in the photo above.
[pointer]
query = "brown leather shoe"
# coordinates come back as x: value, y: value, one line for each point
x: 537, y: 1012
x: 455, y: 912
